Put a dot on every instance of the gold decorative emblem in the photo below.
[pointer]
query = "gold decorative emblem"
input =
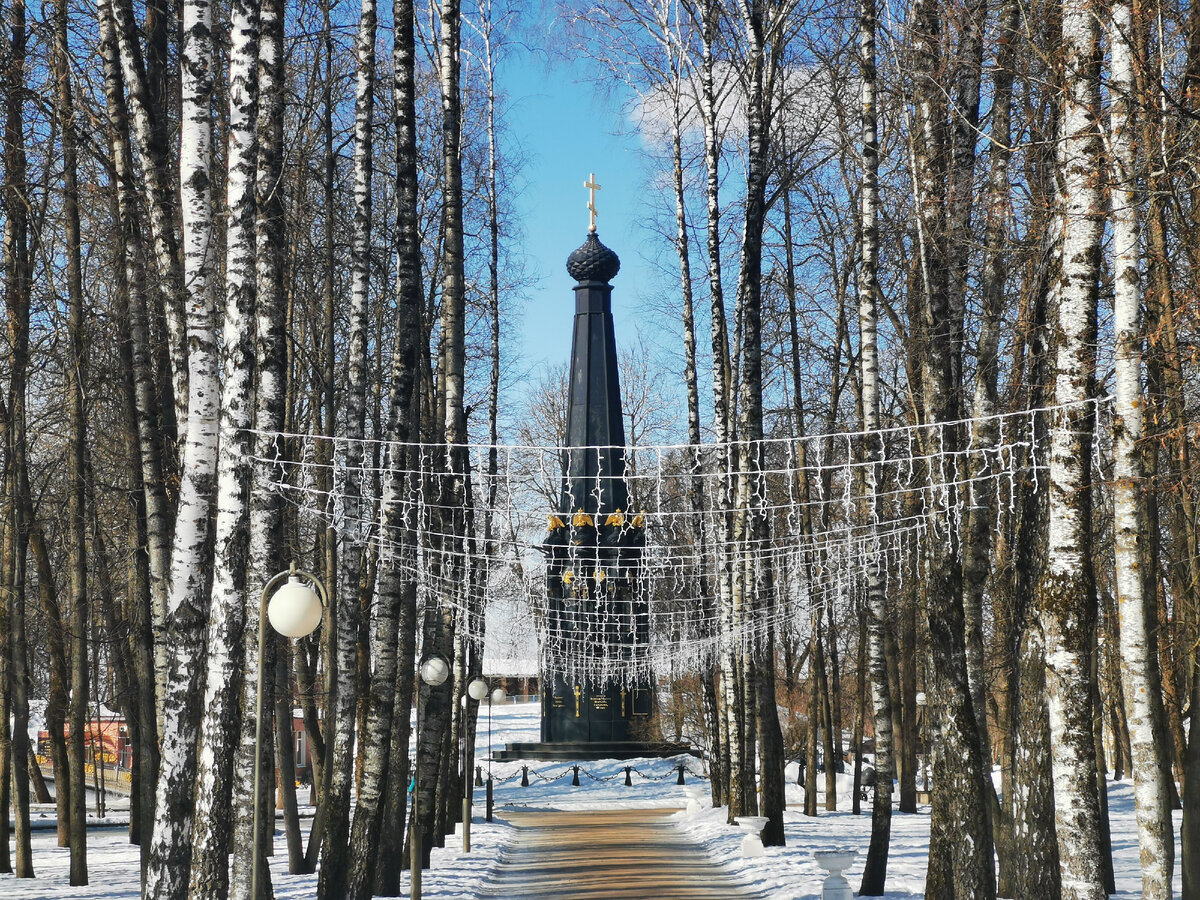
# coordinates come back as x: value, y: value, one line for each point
x: 639, y: 521
x: 568, y: 577
x: 581, y: 519
x: 555, y: 522
x: 578, y: 692
x: 617, y: 518
x: 599, y: 575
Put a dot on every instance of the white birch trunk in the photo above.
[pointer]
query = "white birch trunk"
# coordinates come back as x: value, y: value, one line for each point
x: 722, y: 499
x: 1143, y: 697
x: 144, y: 414
x: 227, y: 615
x: 170, y: 847
x: 334, y: 871
x: 1065, y: 595
x: 875, y: 869
x: 438, y: 630
x: 265, y: 549
x: 404, y: 425
x: 160, y: 200
x: 123, y: 50
x: 453, y: 282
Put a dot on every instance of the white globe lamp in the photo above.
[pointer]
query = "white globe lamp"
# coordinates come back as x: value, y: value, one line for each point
x: 295, y: 609
x: 434, y: 671
x: 477, y: 689
x: 499, y: 695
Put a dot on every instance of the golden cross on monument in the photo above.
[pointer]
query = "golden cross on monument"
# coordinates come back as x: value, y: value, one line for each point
x: 592, y: 187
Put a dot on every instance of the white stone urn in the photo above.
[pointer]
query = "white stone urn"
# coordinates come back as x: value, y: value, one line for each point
x: 694, y: 794
x: 752, y: 845
x: 834, y: 862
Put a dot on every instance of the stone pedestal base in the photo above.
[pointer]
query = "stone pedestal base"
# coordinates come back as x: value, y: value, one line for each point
x: 752, y: 845
x: 834, y: 861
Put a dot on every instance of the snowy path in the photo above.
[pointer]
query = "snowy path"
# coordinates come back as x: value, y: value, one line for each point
x: 785, y: 873
x: 622, y: 853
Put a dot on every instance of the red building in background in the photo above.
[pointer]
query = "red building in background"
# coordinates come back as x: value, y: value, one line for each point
x: 105, y: 737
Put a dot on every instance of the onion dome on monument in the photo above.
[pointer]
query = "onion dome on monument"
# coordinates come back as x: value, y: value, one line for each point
x: 593, y: 261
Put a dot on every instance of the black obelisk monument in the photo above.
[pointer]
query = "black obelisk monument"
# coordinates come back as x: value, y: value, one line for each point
x: 597, y: 615
x: 594, y: 547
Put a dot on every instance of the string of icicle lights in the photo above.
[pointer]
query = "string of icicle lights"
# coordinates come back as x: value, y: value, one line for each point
x: 822, y: 531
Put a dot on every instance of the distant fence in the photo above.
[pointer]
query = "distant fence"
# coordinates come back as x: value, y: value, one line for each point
x: 678, y: 771
x: 115, y: 778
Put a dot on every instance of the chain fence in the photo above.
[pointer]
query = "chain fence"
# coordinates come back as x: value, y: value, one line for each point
x: 679, y: 771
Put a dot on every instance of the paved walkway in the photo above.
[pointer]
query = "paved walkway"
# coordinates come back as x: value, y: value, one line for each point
x: 593, y: 854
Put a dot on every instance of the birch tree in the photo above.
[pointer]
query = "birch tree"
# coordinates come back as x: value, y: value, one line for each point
x: 1142, y: 688
x: 76, y: 511
x: 162, y: 203
x: 145, y: 84
x: 732, y: 743
x: 333, y: 875
x: 170, y: 850
x: 391, y: 590
x: 227, y: 616
x: 961, y: 860
x: 146, y: 467
x: 979, y: 530
x: 266, y: 513
x: 438, y: 628
x: 1066, y: 598
x: 875, y: 868
x: 985, y: 403
x: 17, y: 281
x: 763, y: 25
x: 680, y: 72
x: 405, y: 389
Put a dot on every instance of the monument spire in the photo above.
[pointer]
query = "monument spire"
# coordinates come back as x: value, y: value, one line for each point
x: 594, y: 459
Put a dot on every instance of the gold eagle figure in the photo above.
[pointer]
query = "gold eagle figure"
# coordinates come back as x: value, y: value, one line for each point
x: 581, y: 519
x: 555, y: 522
x: 568, y: 577
x: 639, y: 521
x: 617, y: 518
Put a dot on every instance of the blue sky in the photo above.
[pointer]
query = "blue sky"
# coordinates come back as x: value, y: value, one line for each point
x: 565, y: 131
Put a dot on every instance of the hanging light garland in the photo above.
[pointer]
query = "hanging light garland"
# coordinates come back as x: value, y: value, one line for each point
x: 823, y: 535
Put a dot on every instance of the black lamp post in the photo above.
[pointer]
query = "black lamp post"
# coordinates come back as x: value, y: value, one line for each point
x: 295, y: 611
x: 434, y: 670
x: 477, y: 690
x: 499, y: 695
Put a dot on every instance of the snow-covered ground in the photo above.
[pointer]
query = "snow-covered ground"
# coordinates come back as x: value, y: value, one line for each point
x: 787, y: 873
